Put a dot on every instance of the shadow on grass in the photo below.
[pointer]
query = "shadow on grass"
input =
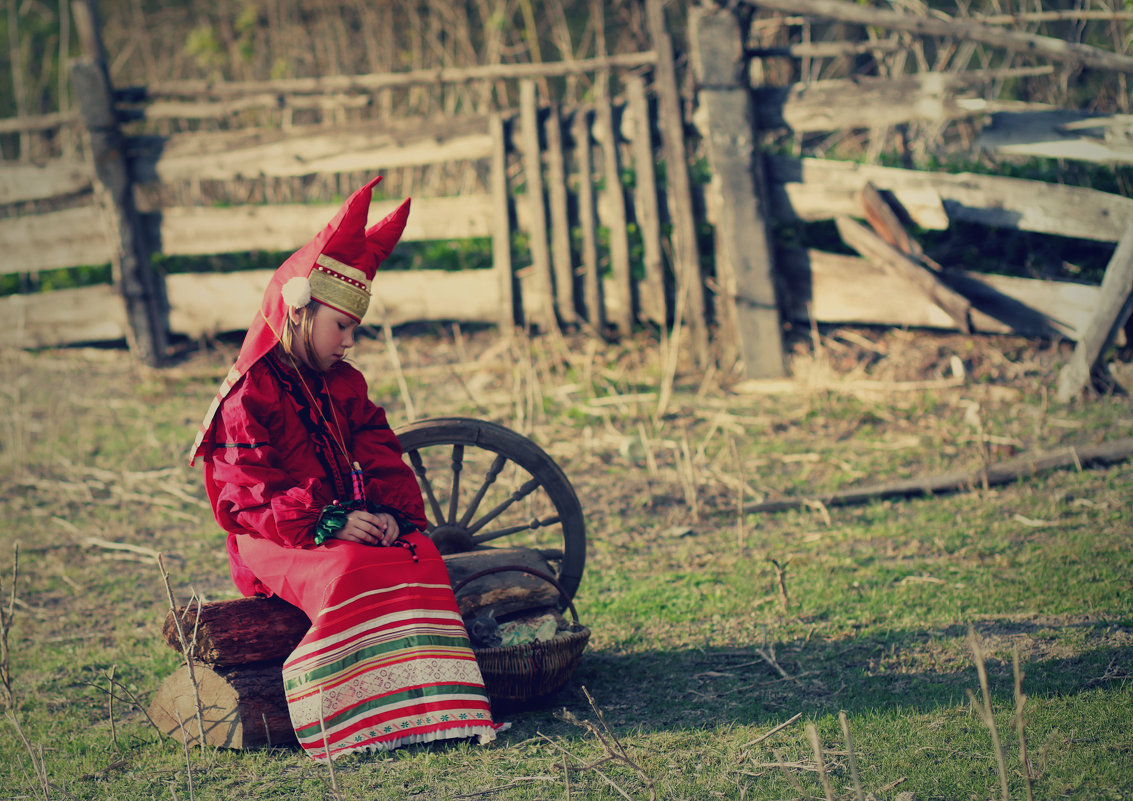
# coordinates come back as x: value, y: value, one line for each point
x: 914, y: 671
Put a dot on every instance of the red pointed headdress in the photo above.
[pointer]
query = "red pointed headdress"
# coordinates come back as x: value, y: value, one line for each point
x: 335, y: 268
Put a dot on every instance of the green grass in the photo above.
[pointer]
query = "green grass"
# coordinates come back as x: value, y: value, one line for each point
x: 693, y: 656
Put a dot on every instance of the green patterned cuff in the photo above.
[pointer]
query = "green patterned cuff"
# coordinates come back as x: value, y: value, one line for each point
x: 331, y: 521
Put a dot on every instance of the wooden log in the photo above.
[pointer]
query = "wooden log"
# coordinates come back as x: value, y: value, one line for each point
x: 500, y: 205
x: 748, y: 306
x: 243, y: 707
x: 561, y: 260
x: 1114, y: 306
x: 690, y: 299
x: 243, y: 631
x: 819, y: 189
x: 1079, y: 456
x: 647, y: 210
x: 588, y: 223
x: 237, y: 632
x: 539, y: 309
x: 953, y: 28
x: 615, y: 207
x: 899, y: 265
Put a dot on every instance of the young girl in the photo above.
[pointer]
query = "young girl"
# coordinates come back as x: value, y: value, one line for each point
x: 306, y: 476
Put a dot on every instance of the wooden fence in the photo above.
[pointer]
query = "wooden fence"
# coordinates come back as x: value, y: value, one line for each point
x: 558, y: 174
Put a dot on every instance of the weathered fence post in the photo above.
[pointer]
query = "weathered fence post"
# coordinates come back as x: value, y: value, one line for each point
x: 646, y: 208
x: 747, y: 305
x: 542, y: 308
x: 588, y: 223
x: 678, y: 184
x: 561, y: 260
x: 501, y: 226
x: 143, y: 290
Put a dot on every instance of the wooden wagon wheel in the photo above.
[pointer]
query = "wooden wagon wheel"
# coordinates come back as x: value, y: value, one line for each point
x: 523, y: 499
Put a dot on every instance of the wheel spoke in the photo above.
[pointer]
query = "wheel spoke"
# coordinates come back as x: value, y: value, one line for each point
x: 488, y: 536
x: 457, y: 465
x: 521, y: 493
x: 489, y: 479
x: 420, y: 469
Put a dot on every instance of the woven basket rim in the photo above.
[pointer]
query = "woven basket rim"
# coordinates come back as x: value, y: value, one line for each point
x: 576, y: 633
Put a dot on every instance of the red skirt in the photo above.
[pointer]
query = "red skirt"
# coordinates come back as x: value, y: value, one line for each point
x: 387, y: 660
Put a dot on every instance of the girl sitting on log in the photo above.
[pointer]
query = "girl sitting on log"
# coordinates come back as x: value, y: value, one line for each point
x: 306, y: 477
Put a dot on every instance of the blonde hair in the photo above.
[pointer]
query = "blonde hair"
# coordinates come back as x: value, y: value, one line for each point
x: 303, y: 329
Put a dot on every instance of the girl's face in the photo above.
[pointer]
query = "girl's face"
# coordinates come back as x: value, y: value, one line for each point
x: 332, y: 334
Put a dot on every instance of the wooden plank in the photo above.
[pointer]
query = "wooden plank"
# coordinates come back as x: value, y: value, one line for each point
x: 1113, y: 310
x: 500, y: 205
x: 561, y: 259
x: 20, y: 183
x: 39, y: 122
x: 228, y: 155
x: 141, y: 286
x: 63, y: 317
x: 207, y: 304
x: 748, y: 308
x: 953, y: 28
x: 77, y: 236
x: 909, y: 272
x: 615, y: 208
x: 870, y: 101
x: 539, y: 305
x: 646, y: 205
x: 686, y: 253
x: 67, y: 238
x: 832, y: 288
x: 201, y: 230
x: 1060, y: 134
x: 587, y: 222
x: 814, y: 189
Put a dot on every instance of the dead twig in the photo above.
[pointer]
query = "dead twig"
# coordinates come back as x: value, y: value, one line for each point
x: 1020, y: 700
x: 187, y: 647
x: 859, y: 795
x: 816, y: 746
x: 771, y: 733
x: 6, y: 616
x: 781, y: 583
x: 986, y: 713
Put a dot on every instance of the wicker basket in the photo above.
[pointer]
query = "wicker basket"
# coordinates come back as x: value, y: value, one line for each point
x: 533, y: 670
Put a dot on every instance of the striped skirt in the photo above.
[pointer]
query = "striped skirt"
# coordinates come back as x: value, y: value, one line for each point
x: 387, y: 660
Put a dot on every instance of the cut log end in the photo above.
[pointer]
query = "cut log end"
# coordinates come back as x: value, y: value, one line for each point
x: 241, y: 708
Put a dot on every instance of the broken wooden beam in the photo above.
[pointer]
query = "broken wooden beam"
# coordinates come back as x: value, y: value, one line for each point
x: 896, y: 263
x: 1078, y: 456
x: 1115, y: 301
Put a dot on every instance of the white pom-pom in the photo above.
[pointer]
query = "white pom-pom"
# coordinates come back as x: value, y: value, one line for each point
x: 297, y: 292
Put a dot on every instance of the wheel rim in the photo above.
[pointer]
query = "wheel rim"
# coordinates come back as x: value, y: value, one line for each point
x: 484, y: 485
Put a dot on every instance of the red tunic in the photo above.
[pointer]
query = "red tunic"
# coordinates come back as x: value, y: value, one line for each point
x: 272, y: 463
x: 386, y: 661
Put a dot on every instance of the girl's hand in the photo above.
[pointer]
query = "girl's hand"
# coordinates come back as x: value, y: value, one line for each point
x: 368, y: 528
